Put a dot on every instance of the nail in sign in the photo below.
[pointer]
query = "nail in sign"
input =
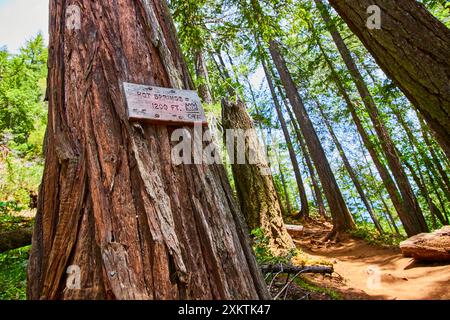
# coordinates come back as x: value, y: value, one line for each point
x: 163, y: 105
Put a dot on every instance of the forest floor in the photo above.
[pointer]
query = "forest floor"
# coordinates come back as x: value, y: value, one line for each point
x: 366, y: 271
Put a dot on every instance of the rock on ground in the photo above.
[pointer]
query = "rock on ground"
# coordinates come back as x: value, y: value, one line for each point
x: 433, y: 246
x: 295, y: 230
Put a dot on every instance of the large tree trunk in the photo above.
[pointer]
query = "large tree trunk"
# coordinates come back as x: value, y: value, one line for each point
x: 304, y: 211
x: 342, y: 219
x: 350, y: 170
x: 413, y: 49
x: 111, y: 201
x: 387, y: 145
x: 254, y: 183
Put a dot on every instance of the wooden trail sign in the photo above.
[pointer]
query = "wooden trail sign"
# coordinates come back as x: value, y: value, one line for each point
x: 163, y: 105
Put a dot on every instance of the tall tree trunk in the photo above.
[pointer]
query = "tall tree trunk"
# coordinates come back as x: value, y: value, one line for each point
x: 285, y: 190
x: 309, y: 164
x: 410, y: 222
x: 389, y: 214
x: 224, y: 74
x: 304, y: 211
x: 201, y: 71
x: 254, y: 186
x: 437, y: 164
x: 419, y: 177
x: 413, y: 49
x: 420, y: 181
x: 379, y: 192
x: 387, y: 145
x: 342, y: 220
x: 112, y: 204
x: 350, y: 170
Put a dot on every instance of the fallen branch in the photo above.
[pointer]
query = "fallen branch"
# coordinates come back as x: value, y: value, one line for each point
x: 287, y: 268
x: 10, y: 240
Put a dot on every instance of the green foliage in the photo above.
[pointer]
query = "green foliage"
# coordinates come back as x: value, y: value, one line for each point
x: 373, y: 237
x: 9, y: 220
x: 22, y: 121
x: 13, y: 277
x: 19, y: 178
x: 7, y: 207
x: 263, y: 252
x: 311, y: 287
x: 21, y: 91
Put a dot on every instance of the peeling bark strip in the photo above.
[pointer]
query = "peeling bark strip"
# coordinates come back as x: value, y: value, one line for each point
x: 111, y: 201
x: 256, y: 191
x: 413, y: 48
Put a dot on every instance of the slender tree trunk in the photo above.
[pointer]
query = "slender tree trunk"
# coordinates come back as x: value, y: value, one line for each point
x: 431, y: 172
x: 387, y: 145
x: 282, y: 205
x: 416, y: 147
x: 224, y: 74
x: 379, y: 192
x: 350, y: 170
x: 388, y: 221
x: 413, y: 49
x: 253, y: 181
x: 285, y: 189
x: 420, y: 181
x: 304, y: 211
x: 389, y: 214
x: 419, y: 177
x: 112, y: 205
x: 309, y: 164
x: 342, y: 220
x: 201, y: 71
x: 410, y: 222
x: 445, y: 182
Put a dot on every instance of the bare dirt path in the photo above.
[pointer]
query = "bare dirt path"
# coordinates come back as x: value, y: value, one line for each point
x: 366, y: 271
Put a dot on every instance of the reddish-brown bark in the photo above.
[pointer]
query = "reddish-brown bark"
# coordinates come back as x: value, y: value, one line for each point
x: 111, y: 200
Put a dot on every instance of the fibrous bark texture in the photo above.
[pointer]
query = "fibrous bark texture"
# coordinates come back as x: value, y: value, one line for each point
x: 111, y: 201
x: 254, y: 183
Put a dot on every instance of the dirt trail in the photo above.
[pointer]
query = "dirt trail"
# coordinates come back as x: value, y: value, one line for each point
x: 369, y: 272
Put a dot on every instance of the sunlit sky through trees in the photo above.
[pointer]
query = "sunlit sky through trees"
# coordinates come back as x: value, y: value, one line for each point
x: 21, y: 20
